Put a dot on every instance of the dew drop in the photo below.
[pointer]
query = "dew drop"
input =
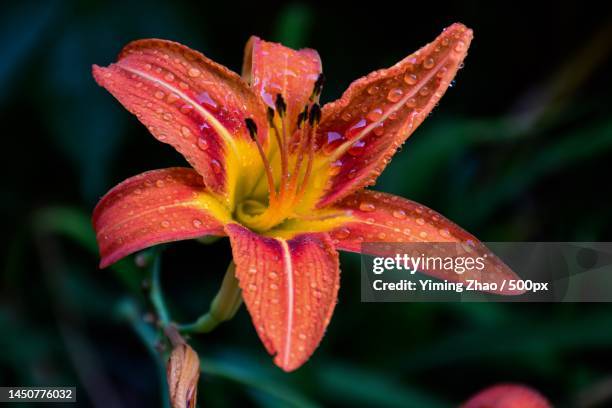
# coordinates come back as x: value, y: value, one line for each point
x: 357, y: 148
x: 367, y: 207
x: 445, y: 233
x: 373, y: 89
x: 424, y: 91
x: 428, y: 63
x: 423, y: 234
x: 375, y: 114
x: 335, y: 167
x: 197, y: 223
x: 167, y: 116
x: 273, y: 286
x: 252, y: 287
x: 395, y: 95
x: 460, y: 46
x: 420, y: 221
x: 342, y: 233
x: 165, y: 224
x: 379, y: 130
x: 333, y: 140
x: 216, y: 166
x: 346, y: 116
x: 411, y: 79
x: 159, y: 183
x: 185, y: 131
x: 169, y: 76
x: 202, y: 143
x: 411, y: 103
x: 272, y: 275
x: 252, y: 270
x: 159, y: 95
x: 194, y: 72
x: 399, y: 214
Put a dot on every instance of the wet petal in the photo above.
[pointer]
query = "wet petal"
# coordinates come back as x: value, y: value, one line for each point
x: 190, y: 102
x: 155, y: 207
x: 362, y: 130
x: 380, y: 217
x: 273, y: 69
x: 507, y: 396
x: 290, y: 289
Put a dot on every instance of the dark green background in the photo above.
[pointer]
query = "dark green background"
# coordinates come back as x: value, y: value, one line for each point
x: 518, y: 150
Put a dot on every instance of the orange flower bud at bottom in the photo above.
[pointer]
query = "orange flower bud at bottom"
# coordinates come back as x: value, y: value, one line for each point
x: 183, y: 372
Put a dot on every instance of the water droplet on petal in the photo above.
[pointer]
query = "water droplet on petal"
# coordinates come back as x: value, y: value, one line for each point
x: 411, y: 103
x: 373, y: 89
x: 357, y: 148
x: 197, y: 223
x: 159, y: 95
x: 342, y: 233
x: 185, y: 131
x: 411, y: 79
x: 375, y: 114
x: 460, y: 46
x: 194, y: 72
x: 159, y: 183
x: 445, y: 233
x: 216, y: 166
x: 428, y: 63
x: 395, y: 95
x: 165, y: 224
x: 399, y: 214
x: 420, y: 221
x: 334, y: 139
x: 367, y: 207
x: 202, y: 143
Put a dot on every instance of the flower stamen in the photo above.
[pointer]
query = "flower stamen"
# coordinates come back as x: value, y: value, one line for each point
x: 252, y: 128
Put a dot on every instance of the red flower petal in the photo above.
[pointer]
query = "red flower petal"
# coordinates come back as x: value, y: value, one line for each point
x: 290, y: 288
x: 186, y: 100
x: 154, y: 207
x: 381, y: 217
x: 378, y: 112
x: 273, y: 69
x: 507, y: 396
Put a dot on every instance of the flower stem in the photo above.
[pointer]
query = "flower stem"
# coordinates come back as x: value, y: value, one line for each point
x: 223, y: 307
x: 156, y: 295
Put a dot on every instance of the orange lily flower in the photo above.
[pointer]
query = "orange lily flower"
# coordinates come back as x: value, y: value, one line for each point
x: 282, y: 177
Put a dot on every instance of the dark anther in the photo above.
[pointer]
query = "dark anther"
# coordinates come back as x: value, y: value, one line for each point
x: 315, y: 114
x: 318, y: 86
x: 302, y: 116
x: 251, y: 126
x: 270, y: 115
x: 281, y: 106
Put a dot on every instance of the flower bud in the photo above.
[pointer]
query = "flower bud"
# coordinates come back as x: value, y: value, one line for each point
x: 183, y: 372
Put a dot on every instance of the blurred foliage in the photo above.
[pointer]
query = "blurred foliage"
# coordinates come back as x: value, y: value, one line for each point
x: 519, y: 149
